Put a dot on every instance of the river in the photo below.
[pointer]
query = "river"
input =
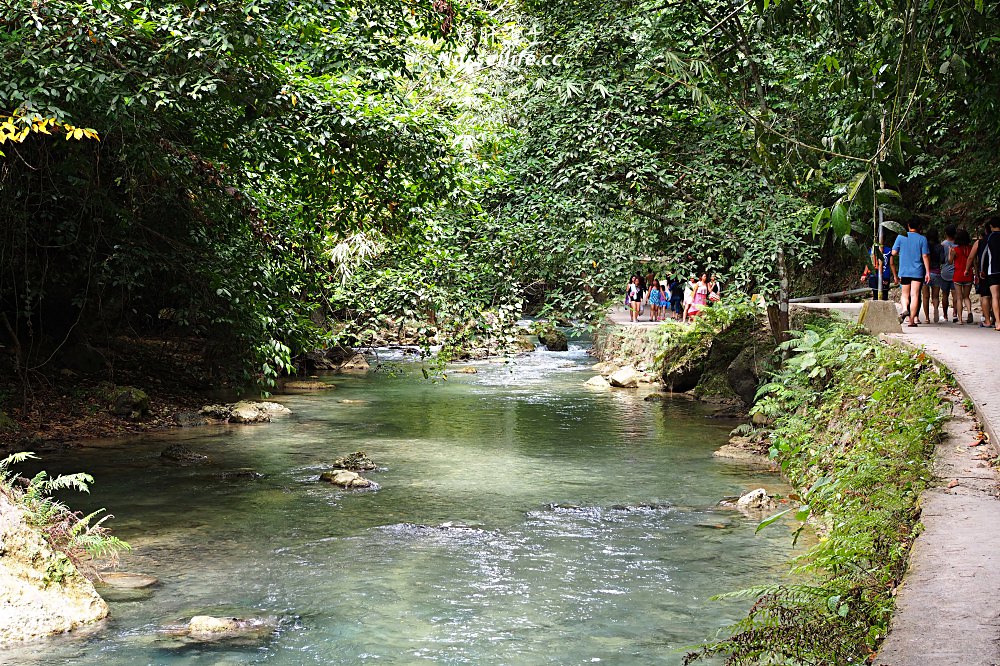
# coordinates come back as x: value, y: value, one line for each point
x: 522, y: 518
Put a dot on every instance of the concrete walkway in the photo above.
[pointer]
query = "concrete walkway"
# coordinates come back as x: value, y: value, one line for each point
x: 948, y: 607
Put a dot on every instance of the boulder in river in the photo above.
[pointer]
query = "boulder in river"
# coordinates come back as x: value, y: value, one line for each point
x: 597, y: 381
x: 41, y: 592
x: 355, y: 462
x: 357, y: 363
x: 554, y: 340
x: 245, y: 411
x: 626, y: 377
x: 345, y: 479
x: 182, y: 455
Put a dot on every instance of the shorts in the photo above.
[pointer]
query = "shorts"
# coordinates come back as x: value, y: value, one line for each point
x: 908, y: 280
x: 940, y: 282
x: 993, y: 280
x: 983, y: 288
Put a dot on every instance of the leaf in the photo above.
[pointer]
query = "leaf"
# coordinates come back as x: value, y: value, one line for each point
x: 770, y: 520
x: 823, y: 214
x: 838, y: 220
x: 859, y: 180
x: 894, y: 227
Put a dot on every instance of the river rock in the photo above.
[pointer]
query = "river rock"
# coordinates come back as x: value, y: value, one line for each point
x: 182, y: 455
x: 755, y: 500
x: 345, y: 479
x: 209, y: 628
x: 128, y: 581
x: 190, y: 419
x: 742, y: 375
x: 126, y: 401
x: 554, y: 340
x: 357, y: 363
x: 220, y: 412
x: 597, y: 381
x: 255, y: 412
x: 467, y: 370
x: 626, y: 377
x: 605, y: 368
x: 241, y: 474
x: 41, y: 592
x: 354, y: 462
x: 308, y: 385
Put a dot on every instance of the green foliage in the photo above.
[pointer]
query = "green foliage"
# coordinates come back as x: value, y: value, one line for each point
x: 854, y: 426
x: 680, y: 345
x: 72, y: 535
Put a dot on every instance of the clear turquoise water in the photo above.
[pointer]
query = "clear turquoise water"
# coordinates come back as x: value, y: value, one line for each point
x: 583, y: 527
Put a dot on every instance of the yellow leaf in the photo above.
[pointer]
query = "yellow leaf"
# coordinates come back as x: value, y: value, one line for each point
x: 78, y: 134
x: 294, y: 100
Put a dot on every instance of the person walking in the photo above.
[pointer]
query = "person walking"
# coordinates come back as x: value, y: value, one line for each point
x: 976, y: 263
x: 931, y: 291
x: 913, y: 254
x: 634, y: 297
x: 948, y: 270
x: 991, y: 267
x: 964, y: 278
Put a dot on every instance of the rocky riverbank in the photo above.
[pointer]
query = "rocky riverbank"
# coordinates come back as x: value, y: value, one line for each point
x: 720, y: 359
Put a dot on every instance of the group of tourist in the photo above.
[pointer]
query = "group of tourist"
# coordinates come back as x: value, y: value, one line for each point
x: 932, y: 272
x: 669, y: 299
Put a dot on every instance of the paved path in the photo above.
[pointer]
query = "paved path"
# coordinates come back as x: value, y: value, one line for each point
x: 620, y: 316
x: 948, y: 607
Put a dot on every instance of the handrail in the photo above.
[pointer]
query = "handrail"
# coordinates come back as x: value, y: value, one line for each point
x: 836, y: 294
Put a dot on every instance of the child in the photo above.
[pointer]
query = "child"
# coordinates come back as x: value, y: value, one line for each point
x: 654, y: 301
x: 664, y: 302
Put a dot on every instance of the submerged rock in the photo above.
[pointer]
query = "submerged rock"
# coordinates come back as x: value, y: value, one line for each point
x: 346, y: 479
x: 181, y: 454
x: 308, y: 385
x: 209, y: 628
x: 128, y: 581
x: 626, y: 377
x: 353, y: 402
x: 354, y: 462
x: 41, y: 592
x: 467, y: 370
x: 241, y: 474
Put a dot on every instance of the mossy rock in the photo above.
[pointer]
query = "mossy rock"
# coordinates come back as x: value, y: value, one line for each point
x: 126, y: 401
x: 550, y: 336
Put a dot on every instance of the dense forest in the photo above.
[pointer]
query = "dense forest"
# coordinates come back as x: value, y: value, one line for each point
x: 269, y: 178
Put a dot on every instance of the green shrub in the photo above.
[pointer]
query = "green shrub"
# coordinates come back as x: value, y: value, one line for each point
x: 854, y: 426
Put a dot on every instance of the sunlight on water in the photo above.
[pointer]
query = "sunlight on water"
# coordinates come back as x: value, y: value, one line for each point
x: 521, y: 519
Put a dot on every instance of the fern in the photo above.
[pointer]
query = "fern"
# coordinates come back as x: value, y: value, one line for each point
x: 71, y: 533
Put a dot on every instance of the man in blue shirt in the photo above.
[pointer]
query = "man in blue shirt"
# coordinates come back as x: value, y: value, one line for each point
x: 914, y: 254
